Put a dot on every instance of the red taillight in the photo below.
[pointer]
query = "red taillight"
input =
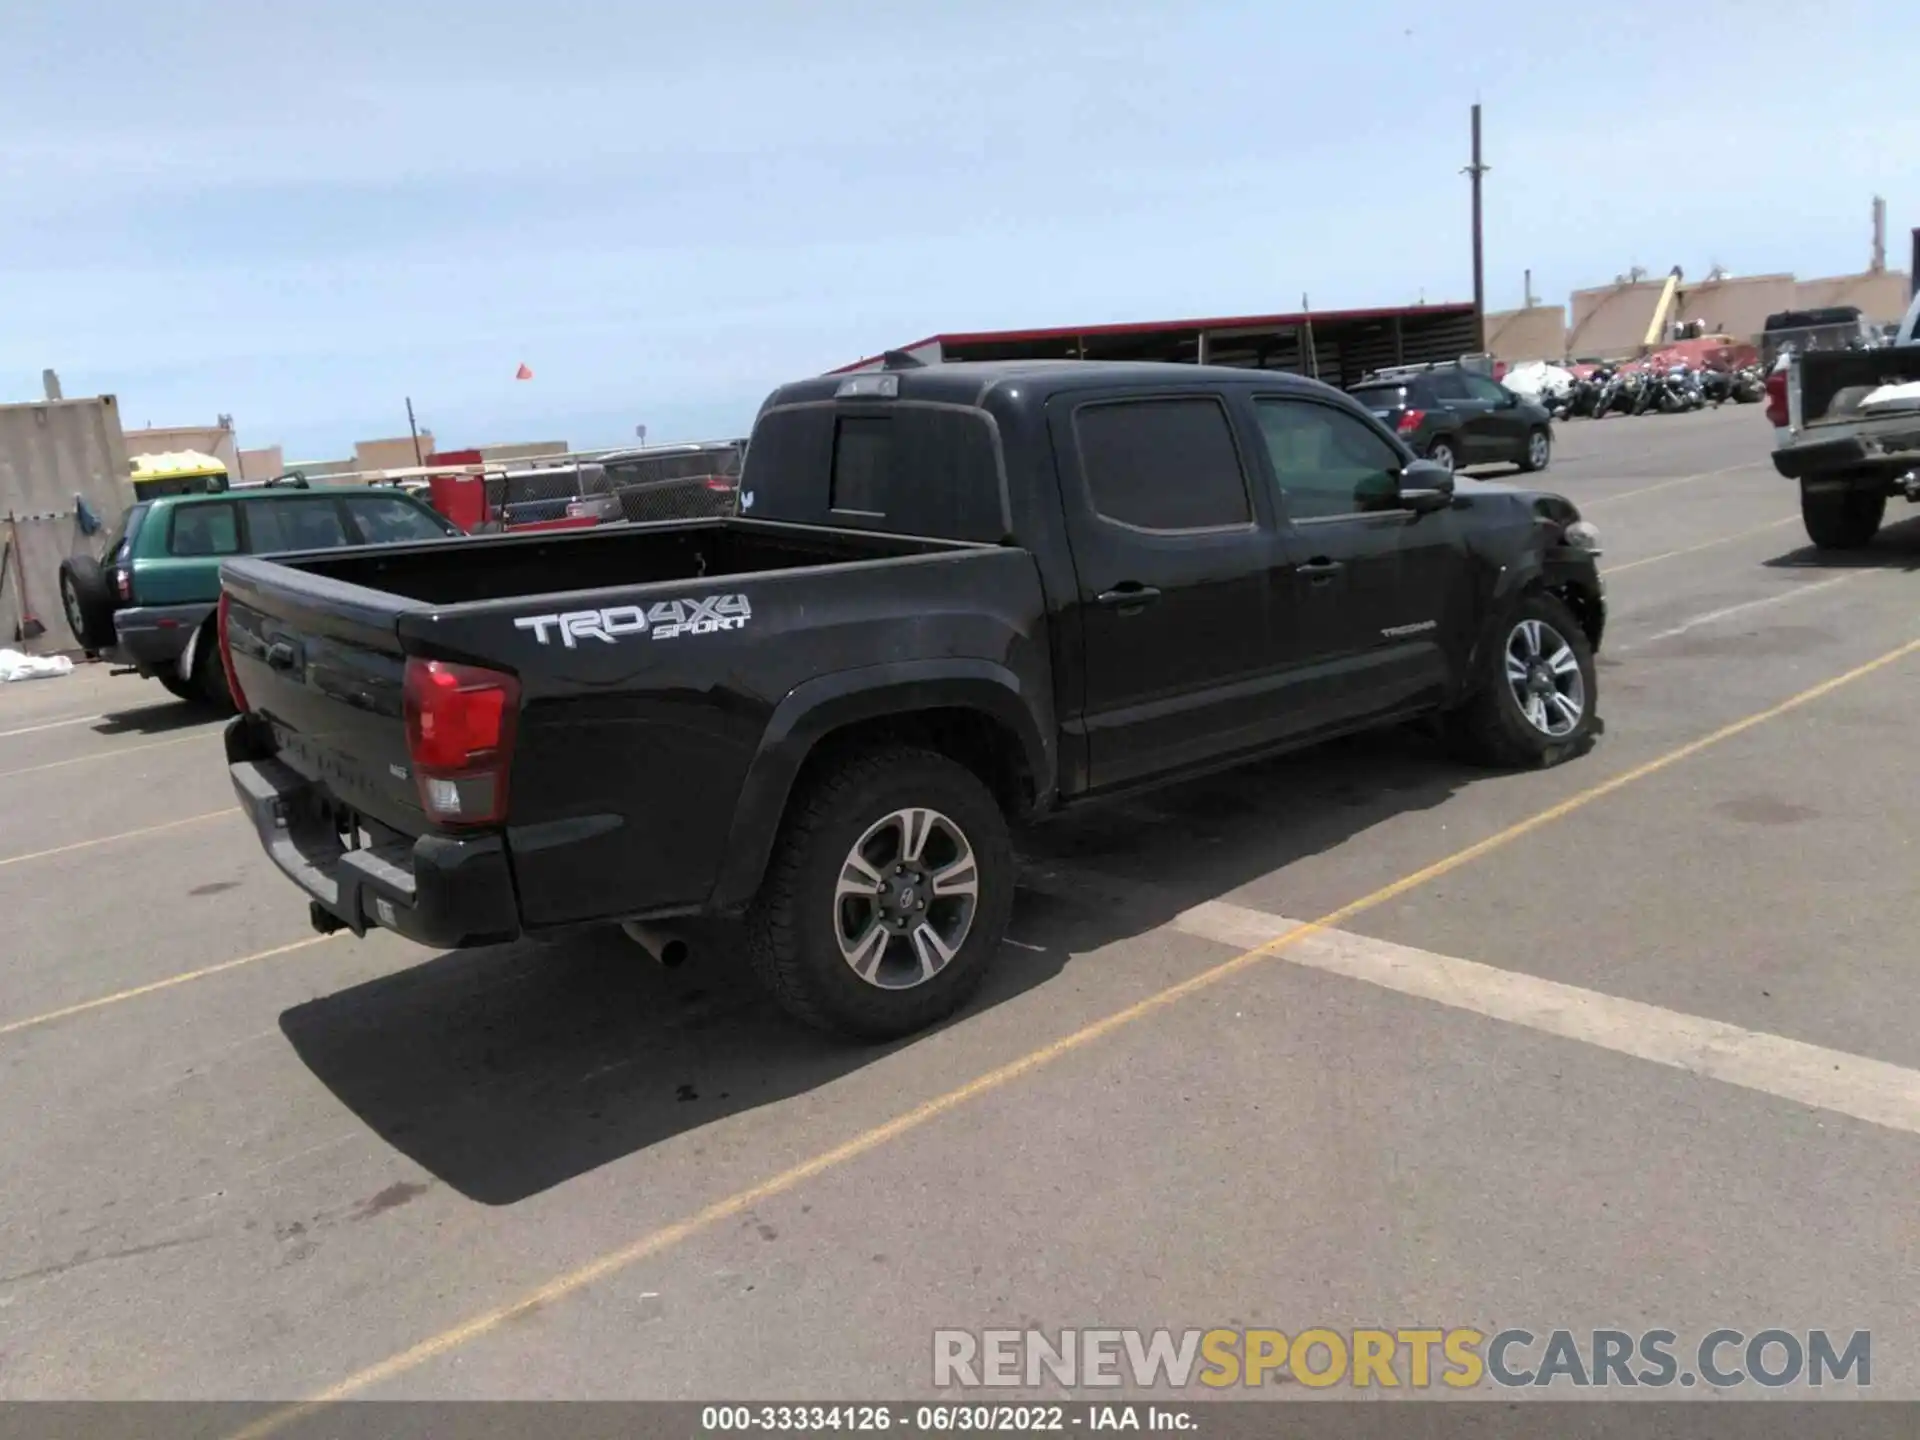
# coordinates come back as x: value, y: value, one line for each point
x: 1777, y: 414
x: 460, y: 724
x: 1411, y: 420
x: 226, y: 658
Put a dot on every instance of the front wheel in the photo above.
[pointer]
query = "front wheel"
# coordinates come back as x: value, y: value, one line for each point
x: 888, y: 895
x: 1533, y: 705
x: 1842, y: 519
x: 1539, y: 451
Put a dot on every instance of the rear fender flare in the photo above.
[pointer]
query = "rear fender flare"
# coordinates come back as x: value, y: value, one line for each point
x: 815, y: 710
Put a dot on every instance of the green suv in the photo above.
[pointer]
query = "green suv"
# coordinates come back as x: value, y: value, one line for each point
x: 148, y: 603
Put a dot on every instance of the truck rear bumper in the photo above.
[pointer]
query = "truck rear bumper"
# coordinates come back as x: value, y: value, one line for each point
x: 155, y: 637
x: 1849, y: 456
x: 435, y: 890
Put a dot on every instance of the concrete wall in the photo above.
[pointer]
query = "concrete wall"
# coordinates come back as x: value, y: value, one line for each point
x: 528, y: 450
x: 263, y: 464
x: 1612, y: 320
x: 214, y: 440
x: 1539, y: 333
x: 50, y: 452
x: 391, y: 454
x: 1882, y: 298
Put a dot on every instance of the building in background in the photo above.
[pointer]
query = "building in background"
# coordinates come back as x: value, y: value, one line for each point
x: 1338, y: 346
x: 1610, y: 322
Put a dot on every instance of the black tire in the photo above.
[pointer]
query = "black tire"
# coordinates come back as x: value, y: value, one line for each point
x: 87, y: 601
x: 791, y: 926
x: 178, y: 688
x: 1539, y: 437
x: 1492, y: 728
x: 1444, y: 452
x: 1842, y: 519
x: 209, y: 675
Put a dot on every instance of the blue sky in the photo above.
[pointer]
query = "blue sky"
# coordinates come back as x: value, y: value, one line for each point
x: 301, y: 213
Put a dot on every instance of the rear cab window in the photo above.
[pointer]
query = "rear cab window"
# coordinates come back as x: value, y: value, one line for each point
x: 1166, y: 464
x: 204, y: 529
x: 903, y: 467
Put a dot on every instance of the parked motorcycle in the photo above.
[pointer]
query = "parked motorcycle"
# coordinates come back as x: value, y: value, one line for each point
x: 1749, y: 385
x: 1716, y: 386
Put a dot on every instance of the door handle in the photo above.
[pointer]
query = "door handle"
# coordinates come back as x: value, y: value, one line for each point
x: 1128, y: 596
x: 1320, y: 570
x: 281, y: 656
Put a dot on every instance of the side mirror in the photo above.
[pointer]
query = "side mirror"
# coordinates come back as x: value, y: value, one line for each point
x: 1426, y: 485
x: 1508, y: 400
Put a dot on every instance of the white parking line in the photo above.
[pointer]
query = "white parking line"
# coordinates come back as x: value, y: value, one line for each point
x: 50, y: 725
x: 1727, y: 612
x: 1870, y: 1090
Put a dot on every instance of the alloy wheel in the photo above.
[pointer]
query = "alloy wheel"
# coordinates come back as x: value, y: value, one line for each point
x: 1544, y: 675
x: 906, y: 898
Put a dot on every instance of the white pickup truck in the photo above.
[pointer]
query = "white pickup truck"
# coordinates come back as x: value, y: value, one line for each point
x: 1847, y: 427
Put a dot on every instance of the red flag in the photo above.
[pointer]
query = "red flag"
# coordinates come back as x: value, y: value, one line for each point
x: 523, y: 373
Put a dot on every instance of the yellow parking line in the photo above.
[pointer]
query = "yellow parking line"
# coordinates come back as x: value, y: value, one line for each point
x: 1703, y: 545
x: 14, y: 1026
x: 123, y: 835
x: 742, y: 1201
x: 111, y: 754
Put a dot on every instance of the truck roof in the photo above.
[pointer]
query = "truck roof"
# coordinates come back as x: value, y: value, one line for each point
x: 969, y: 382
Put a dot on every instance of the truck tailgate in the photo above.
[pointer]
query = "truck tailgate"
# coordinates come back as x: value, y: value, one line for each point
x: 321, y: 665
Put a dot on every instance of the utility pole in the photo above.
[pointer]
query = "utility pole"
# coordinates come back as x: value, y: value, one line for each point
x: 1475, y: 171
x: 1878, y: 264
x: 414, y: 430
x: 1532, y: 299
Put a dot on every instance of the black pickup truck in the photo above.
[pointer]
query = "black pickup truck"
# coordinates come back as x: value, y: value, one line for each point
x: 955, y: 597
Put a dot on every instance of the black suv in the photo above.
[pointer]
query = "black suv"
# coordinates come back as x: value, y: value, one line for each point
x: 1459, y: 417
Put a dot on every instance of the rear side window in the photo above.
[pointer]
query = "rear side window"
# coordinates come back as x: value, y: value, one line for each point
x: 863, y: 459
x: 124, y: 536
x: 200, y: 530
x: 386, y: 520
x: 1162, y: 464
x: 1448, y: 385
x: 275, y: 526
x: 1380, y: 397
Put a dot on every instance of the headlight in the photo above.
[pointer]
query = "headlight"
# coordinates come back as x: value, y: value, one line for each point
x: 1583, y: 535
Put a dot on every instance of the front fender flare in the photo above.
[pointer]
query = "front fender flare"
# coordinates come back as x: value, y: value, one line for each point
x: 814, y: 710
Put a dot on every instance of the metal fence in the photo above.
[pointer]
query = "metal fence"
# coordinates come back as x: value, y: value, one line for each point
x: 677, y: 484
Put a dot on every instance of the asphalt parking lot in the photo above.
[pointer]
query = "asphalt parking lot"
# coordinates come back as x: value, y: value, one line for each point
x: 1626, y: 1043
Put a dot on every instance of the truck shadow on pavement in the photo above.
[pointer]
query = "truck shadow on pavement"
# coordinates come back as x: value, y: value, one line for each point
x: 1896, y: 547
x: 510, y: 1070
x: 161, y: 718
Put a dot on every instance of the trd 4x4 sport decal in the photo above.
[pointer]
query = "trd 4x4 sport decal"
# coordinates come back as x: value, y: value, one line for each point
x: 663, y: 620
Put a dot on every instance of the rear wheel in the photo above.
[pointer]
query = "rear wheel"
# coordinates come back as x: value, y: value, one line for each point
x: 1539, y: 450
x: 87, y: 602
x: 178, y: 688
x: 209, y: 675
x: 1534, y: 703
x: 1441, y: 452
x: 1842, y: 519
x: 887, y: 897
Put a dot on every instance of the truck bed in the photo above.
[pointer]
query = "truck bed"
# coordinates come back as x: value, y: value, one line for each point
x: 1840, y: 387
x: 636, y: 727
x: 509, y: 566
